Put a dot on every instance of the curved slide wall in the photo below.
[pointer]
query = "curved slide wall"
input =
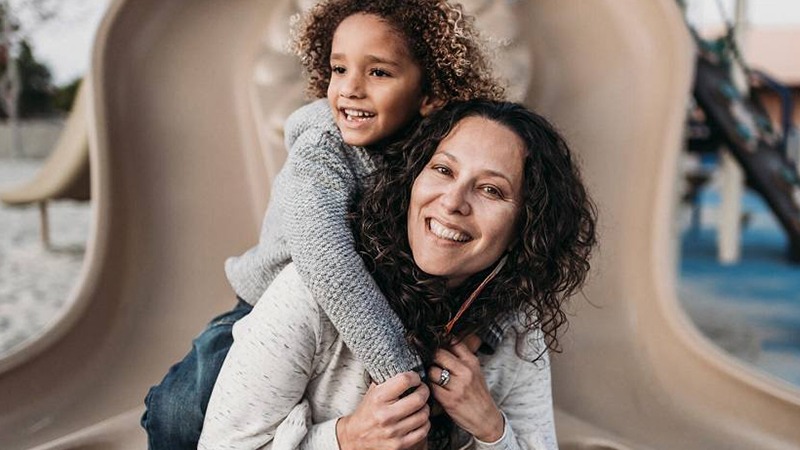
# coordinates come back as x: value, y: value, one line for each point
x: 173, y: 91
x: 616, y: 76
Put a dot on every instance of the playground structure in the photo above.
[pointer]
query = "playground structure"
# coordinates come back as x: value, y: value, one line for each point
x: 65, y: 173
x: 183, y: 146
x: 736, y: 119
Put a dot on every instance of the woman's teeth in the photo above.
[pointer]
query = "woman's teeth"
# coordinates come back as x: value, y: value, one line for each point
x: 354, y: 114
x: 446, y: 233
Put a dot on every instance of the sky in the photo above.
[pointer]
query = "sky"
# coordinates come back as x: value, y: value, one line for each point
x: 65, y: 43
x: 759, y: 12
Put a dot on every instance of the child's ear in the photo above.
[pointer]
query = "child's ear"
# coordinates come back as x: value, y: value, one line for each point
x: 430, y: 104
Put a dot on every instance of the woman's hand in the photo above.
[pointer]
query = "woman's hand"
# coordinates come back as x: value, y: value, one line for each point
x: 465, y: 397
x: 383, y: 420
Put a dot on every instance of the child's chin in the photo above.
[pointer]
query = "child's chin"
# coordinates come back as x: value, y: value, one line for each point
x: 358, y: 141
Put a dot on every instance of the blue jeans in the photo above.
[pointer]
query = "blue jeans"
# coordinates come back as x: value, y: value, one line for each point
x: 176, y: 407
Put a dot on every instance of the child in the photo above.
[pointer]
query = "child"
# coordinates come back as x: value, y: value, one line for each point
x: 380, y: 65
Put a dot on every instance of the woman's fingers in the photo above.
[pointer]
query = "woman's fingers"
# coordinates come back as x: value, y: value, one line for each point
x: 394, y: 387
x: 446, y: 360
x: 411, y: 403
x: 415, y: 420
x: 435, y: 375
x: 416, y: 436
x: 467, y: 346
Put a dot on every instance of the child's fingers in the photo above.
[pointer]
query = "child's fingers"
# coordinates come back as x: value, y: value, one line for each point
x: 394, y: 387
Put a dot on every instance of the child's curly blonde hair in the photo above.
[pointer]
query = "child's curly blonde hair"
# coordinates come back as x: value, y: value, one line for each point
x: 440, y: 35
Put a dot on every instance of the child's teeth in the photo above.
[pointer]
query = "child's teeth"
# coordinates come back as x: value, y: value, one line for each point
x: 446, y: 233
x: 356, y: 113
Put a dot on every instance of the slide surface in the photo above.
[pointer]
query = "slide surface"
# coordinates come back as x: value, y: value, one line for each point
x: 65, y: 173
x: 186, y: 102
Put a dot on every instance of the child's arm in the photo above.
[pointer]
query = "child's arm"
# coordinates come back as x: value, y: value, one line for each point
x: 318, y: 186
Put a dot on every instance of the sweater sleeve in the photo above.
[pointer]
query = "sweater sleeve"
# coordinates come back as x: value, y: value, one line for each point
x: 266, y: 371
x: 298, y: 432
x: 319, y: 187
x: 528, y: 406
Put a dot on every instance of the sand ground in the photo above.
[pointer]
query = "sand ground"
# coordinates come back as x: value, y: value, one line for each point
x: 34, y: 281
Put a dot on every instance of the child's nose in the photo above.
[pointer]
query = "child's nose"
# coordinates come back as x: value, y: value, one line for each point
x: 353, y: 87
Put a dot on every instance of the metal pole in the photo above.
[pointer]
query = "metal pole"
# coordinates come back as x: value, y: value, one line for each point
x: 732, y: 189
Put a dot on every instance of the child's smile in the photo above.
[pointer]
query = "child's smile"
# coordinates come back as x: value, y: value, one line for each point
x: 356, y: 117
x: 376, y: 85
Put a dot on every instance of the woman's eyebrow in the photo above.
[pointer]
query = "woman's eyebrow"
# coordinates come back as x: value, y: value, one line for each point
x: 491, y: 172
x: 500, y: 175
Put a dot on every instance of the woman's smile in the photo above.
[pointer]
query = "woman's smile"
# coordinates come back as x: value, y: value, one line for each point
x: 450, y: 234
x: 465, y: 203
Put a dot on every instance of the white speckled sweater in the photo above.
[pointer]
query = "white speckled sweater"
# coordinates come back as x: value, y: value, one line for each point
x: 285, y: 385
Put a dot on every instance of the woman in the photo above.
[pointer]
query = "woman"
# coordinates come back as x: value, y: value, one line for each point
x: 488, y: 203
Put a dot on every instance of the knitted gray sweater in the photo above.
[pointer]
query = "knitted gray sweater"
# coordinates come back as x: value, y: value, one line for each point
x: 306, y: 223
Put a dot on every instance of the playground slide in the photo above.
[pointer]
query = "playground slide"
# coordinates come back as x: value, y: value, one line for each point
x: 65, y: 173
x: 187, y: 181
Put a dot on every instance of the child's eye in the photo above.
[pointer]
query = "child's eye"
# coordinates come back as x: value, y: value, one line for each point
x: 379, y: 73
x: 337, y: 70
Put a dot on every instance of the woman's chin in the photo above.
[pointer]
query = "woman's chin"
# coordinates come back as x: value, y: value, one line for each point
x: 438, y: 269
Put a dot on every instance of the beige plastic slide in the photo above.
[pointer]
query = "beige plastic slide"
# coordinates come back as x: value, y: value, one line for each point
x: 65, y: 173
x: 186, y: 103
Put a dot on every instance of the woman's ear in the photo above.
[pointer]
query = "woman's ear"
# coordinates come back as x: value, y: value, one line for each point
x: 430, y: 104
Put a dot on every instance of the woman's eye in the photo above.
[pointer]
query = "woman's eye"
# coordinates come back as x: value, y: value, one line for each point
x: 442, y: 170
x: 379, y: 73
x: 492, y: 191
x: 337, y: 69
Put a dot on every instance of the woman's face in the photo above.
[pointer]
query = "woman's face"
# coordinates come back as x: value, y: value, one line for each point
x: 466, y: 201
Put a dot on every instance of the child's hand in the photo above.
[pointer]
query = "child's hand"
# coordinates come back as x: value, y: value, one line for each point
x: 383, y: 420
x: 465, y: 396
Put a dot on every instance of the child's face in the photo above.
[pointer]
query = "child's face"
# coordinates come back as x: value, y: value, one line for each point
x: 376, y: 85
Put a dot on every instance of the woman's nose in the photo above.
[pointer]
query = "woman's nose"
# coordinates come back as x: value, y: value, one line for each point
x: 353, y: 87
x: 455, y: 200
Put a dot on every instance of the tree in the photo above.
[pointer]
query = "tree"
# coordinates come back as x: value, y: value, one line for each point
x: 36, y: 94
x: 65, y: 95
x: 17, y: 18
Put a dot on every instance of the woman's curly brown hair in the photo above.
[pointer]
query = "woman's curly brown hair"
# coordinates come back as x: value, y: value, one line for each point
x: 440, y: 35
x: 547, y: 263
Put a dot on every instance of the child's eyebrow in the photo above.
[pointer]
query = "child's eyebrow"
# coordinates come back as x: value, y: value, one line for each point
x: 379, y: 60
x: 372, y: 59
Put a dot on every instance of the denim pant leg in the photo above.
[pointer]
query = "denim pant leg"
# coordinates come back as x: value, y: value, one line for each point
x: 177, y: 406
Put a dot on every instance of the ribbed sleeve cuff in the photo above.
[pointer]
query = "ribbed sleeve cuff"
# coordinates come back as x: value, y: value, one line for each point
x: 323, y: 436
x: 506, y: 442
x: 381, y: 373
